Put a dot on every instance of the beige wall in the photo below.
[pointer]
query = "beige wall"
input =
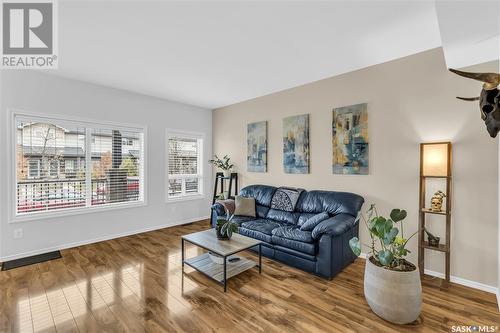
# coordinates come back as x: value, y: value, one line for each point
x: 410, y: 100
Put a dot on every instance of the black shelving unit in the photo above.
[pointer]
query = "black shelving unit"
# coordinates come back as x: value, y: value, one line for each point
x: 220, y: 179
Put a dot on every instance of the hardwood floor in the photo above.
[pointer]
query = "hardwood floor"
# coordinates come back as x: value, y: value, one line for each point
x: 135, y: 284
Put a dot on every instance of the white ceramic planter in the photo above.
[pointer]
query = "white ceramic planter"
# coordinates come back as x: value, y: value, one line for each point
x: 227, y: 173
x: 392, y: 295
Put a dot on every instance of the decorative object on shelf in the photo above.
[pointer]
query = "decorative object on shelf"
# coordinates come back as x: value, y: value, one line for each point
x: 257, y: 147
x: 392, y: 284
x: 350, y: 140
x: 435, y: 163
x: 433, y: 240
x: 225, y: 227
x: 437, y: 201
x: 489, y: 99
x: 223, y: 163
x: 296, y: 144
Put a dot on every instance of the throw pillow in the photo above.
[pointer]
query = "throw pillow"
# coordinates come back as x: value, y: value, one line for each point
x: 244, y: 206
x: 286, y: 198
x: 312, y: 222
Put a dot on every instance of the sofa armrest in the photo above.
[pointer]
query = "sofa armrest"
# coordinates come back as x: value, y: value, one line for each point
x: 221, y: 206
x: 334, y: 226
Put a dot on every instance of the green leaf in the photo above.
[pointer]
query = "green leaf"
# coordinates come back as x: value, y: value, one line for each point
x: 390, y: 236
x: 380, y: 225
x: 398, y: 215
x: 355, y: 246
x: 385, y: 257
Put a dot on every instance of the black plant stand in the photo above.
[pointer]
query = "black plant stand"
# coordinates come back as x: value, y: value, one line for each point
x: 219, y: 178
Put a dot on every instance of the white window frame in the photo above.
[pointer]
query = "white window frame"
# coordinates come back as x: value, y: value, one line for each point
x: 170, y: 133
x: 16, y: 114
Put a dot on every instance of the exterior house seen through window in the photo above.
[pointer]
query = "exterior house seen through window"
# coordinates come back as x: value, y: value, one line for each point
x: 61, y: 165
x: 185, y: 175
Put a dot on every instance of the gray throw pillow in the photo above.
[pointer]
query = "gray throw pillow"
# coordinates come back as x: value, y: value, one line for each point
x: 312, y: 222
x: 244, y: 206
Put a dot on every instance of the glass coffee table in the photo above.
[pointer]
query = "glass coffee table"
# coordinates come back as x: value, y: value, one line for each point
x: 224, y: 248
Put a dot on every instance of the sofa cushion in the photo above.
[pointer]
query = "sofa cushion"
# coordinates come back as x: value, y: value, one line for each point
x: 282, y: 216
x: 263, y: 194
x: 294, y: 238
x: 311, y: 223
x: 260, y: 229
x: 261, y: 211
x: 285, y: 199
x: 241, y: 219
x: 304, y: 217
x: 331, y: 202
x: 292, y: 232
x: 244, y: 206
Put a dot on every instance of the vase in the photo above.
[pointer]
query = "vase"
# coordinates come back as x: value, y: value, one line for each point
x: 227, y: 173
x: 393, y: 295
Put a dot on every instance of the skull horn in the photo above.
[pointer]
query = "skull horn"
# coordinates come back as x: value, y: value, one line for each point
x: 491, y: 80
x: 469, y: 99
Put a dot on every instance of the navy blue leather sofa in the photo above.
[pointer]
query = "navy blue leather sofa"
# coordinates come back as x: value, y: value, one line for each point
x: 324, y: 250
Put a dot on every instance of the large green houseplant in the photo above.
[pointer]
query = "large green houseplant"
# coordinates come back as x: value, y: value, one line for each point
x: 392, y: 283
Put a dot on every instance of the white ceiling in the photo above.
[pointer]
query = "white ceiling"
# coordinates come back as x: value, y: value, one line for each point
x: 470, y: 31
x: 213, y: 54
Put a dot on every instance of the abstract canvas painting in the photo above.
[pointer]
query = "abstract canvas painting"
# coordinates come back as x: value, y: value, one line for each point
x: 350, y: 140
x: 257, y: 147
x: 296, y: 144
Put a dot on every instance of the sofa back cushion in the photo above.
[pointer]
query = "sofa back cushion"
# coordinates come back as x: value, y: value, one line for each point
x: 304, y: 217
x: 263, y: 194
x: 282, y: 216
x: 331, y: 202
x: 311, y: 223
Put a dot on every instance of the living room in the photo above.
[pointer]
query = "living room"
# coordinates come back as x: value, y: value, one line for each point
x: 204, y: 166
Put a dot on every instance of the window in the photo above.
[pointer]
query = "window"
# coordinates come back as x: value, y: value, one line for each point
x: 63, y: 165
x: 54, y: 168
x: 185, y: 171
x: 34, y: 168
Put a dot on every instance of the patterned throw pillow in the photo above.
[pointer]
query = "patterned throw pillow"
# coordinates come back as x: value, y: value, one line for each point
x: 244, y: 206
x: 310, y: 224
x: 285, y: 199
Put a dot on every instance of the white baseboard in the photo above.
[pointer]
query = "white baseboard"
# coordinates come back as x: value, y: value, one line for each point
x: 98, y: 239
x: 498, y: 299
x: 461, y: 281
x: 464, y: 282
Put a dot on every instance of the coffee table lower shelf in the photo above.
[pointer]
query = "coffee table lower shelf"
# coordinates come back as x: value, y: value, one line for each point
x: 205, y: 265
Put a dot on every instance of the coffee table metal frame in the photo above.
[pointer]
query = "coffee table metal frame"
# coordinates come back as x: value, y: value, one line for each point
x: 224, y: 280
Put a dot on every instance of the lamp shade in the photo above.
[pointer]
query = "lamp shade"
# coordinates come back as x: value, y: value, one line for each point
x: 435, y: 159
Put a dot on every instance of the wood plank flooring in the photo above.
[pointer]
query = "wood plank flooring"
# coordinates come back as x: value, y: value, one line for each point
x: 135, y: 284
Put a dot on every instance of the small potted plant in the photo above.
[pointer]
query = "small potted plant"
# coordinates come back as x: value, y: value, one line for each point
x: 225, y: 227
x: 224, y: 230
x: 392, y: 284
x: 223, y: 163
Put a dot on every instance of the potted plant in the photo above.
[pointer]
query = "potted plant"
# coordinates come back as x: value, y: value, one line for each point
x: 392, y: 284
x: 225, y: 227
x: 223, y: 163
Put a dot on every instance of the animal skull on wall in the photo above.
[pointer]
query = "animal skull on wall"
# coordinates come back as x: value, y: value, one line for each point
x: 489, y: 100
